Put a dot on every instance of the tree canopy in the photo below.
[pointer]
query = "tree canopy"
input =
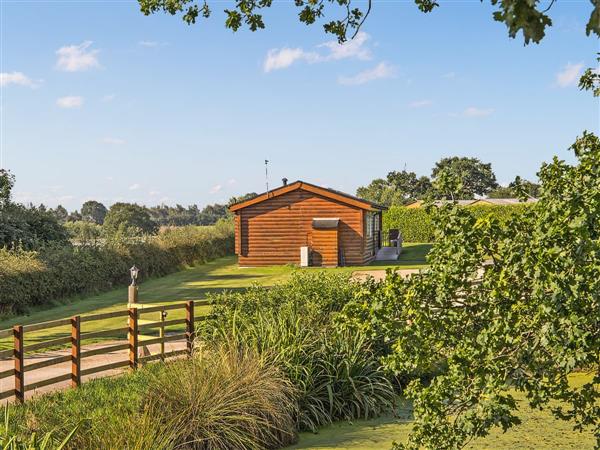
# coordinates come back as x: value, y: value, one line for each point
x: 529, y: 17
x: 129, y: 217
x: 503, y: 307
x: 93, y: 211
x: 475, y: 177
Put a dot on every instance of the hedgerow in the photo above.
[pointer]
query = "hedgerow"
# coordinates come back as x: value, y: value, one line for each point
x: 416, y: 225
x: 31, y: 278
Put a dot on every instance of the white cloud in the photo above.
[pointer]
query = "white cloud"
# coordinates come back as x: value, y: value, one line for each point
x: 380, y: 71
x: 154, y: 193
x: 281, y: 58
x: 18, y: 78
x: 76, y: 58
x: 113, y: 141
x: 354, y: 48
x: 152, y: 44
x: 420, y: 103
x: 70, y: 101
x: 109, y: 97
x: 134, y: 187
x: 449, y: 75
x: 216, y: 188
x: 569, y: 75
x: 231, y: 181
x: 472, y: 111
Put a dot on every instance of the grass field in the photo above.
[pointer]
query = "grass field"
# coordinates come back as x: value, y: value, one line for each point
x: 538, y: 430
x: 190, y: 284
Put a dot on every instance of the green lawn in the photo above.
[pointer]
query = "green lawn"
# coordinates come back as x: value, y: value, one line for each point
x: 538, y: 430
x: 190, y: 284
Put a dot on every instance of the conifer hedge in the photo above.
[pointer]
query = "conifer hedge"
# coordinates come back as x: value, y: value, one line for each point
x: 416, y: 225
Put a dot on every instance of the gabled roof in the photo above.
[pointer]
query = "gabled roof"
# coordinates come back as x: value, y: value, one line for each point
x: 325, y: 192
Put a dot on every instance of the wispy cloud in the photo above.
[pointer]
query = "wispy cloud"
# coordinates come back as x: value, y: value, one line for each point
x: 109, y: 97
x: 134, y: 187
x: 473, y: 111
x: 420, y: 103
x: 569, y: 75
x: 113, y: 141
x: 281, y: 58
x: 18, y: 78
x: 231, y: 181
x: 151, y: 44
x: 449, y: 75
x: 380, y: 71
x: 70, y: 101
x: 76, y: 58
x: 354, y: 48
x: 216, y: 188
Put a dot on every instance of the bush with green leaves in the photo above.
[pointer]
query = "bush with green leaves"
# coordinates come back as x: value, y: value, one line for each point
x: 337, y: 374
x: 417, y: 225
x: 30, y: 278
x: 505, y: 305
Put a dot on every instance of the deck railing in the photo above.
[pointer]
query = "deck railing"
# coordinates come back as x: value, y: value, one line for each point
x: 134, y: 330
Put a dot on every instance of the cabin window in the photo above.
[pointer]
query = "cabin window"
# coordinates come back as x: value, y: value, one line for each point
x: 370, y: 225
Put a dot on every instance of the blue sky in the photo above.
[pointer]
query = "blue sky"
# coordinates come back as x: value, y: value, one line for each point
x: 101, y: 102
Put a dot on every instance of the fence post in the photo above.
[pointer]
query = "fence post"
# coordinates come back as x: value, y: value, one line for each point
x: 75, y: 351
x: 189, y: 326
x: 161, y: 333
x: 133, y: 338
x: 19, y: 358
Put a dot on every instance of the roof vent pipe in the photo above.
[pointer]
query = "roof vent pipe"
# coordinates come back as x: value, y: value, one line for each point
x: 284, y: 180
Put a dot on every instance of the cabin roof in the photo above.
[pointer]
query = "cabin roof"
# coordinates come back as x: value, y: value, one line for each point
x: 325, y: 192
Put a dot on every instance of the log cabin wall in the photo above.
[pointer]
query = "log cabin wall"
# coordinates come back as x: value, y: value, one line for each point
x: 271, y: 232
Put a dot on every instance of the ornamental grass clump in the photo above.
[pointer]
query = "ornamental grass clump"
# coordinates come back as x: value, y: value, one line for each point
x: 225, y: 397
x: 336, y: 374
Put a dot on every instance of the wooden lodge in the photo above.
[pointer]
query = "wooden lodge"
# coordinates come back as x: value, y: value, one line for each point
x: 304, y: 224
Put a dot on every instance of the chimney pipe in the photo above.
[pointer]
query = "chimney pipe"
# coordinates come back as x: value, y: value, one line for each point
x: 285, y: 180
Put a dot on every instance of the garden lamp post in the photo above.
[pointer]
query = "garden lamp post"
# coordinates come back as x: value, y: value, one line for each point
x: 133, y: 289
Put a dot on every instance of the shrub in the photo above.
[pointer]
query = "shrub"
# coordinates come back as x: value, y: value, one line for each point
x: 29, y: 278
x: 225, y: 398
x: 337, y: 375
x: 416, y: 224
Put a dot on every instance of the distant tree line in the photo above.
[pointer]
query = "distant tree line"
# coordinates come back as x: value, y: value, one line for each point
x: 469, y: 177
x: 31, y: 227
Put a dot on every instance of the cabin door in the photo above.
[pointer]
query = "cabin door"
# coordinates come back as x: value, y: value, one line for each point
x: 324, y: 247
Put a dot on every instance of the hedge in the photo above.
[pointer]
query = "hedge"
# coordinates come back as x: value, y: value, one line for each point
x: 31, y: 278
x: 416, y: 225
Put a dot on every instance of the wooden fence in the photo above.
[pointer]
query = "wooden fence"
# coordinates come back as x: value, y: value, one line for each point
x: 134, y: 329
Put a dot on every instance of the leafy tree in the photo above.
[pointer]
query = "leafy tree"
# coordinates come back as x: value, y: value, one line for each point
x: 529, y: 188
x: 504, y: 307
x: 398, y: 188
x: 475, y: 176
x: 501, y: 192
x: 526, y: 16
x: 7, y: 181
x: 75, y: 216
x: 241, y: 198
x: 590, y: 80
x: 129, y: 216
x: 93, y: 211
x: 60, y: 213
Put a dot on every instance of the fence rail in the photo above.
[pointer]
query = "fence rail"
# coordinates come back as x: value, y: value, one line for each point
x: 135, y: 341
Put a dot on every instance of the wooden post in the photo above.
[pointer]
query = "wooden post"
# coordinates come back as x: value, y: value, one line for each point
x: 133, y: 338
x: 161, y: 334
x: 132, y: 294
x: 19, y: 358
x: 75, y: 351
x: 189, y: 326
